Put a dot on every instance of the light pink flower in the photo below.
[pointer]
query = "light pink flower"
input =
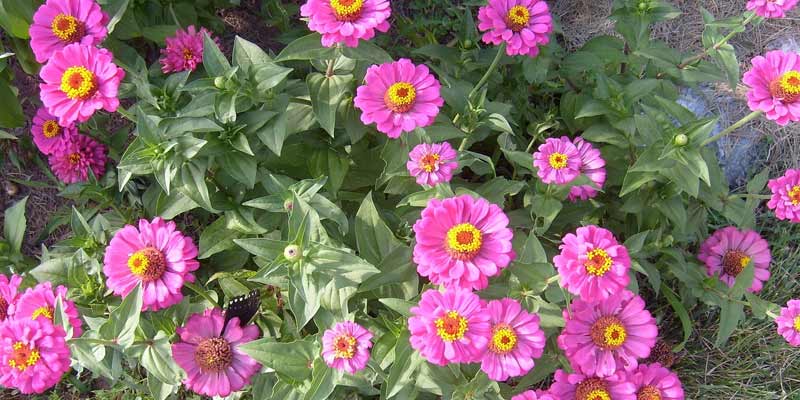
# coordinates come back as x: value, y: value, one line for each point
x: 9, y: 292
x: 72, y: 161
x: 399, y: 97
x: 48, y: 135
x: 184, y: 51
x: 728, y: 251
x: 523, y: 24
x: 789, y: 323
x: 433, y: 163
x: 771, y: 8
x: 58, y: 23
x: 33, y: 355
x: 581, y: 387
x: 516, y: 340
x: 785, y: 198
x: 38, y: 303
x: 157, y: 255
x: 346, y: 346
x: 593, y: 166
x: 774, y: 83
x: 557, y: 161
x: 654, y: 382
x: 346, y: 21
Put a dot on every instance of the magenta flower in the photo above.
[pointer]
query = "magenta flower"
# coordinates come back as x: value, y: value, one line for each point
x: 786, y: 195
x: 33, y: 355
x: 603, y: 338
x: 58, y: 23
x: 79, y: 80
x: 346, y: 21
x: 72, y: 161
x: 449, y: 327
x: 516, y: 340
x: 209, y: 353
x: 462, y: 241
x: 531, y: 395
x: 399, y: 97
x: 654, y: 382
x: 48, y: 135
x: 433, y: 163
x: 728, y: 251
x: 8, y: 294
x: 523, y: 24
x: 593, y: 166
x: 789, y: 323
x: 771, y: 8
x: 774, y: 83
x: 184, y: 51
x: 592, y: 264
x: 346, y: 347
x: 557, y: 161
x: 580, y: 387
x: 38, y: 303
x: 157, y: 255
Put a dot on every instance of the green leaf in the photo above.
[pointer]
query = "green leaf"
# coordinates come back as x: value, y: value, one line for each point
x: 214, y: 61
x: 683, y: 315
x: 269, y: 75
x: 326, y: 93
x: 247, y: 54
x: 14, y: 224
x: 117, y: 9
x: 157, y: 359
x: 304, y: 292
x: 240, y: 166
x: 367, y: 51
x: 193, y: 179
x: 743, y: 281
x: 406, y: 363
x: 375, y: 240
x: 11, y: 115
x: 403, y: 307
x: 634, y: 243
x: 92, y: 356
x: 546, y: 209
x: 323, y: 381
x: 262, y: 247
x: 757, y: 184
x: 225, y: 107
x: 16, y: 17
x: 123, y: 321
x: 291, y: 359
x: 308, y: 47
x: 330, y: 163
x: 216, y: 238
x: 499, y: 123
x: 730, y: 315
x: 60, y: 317
x: 54, y: 270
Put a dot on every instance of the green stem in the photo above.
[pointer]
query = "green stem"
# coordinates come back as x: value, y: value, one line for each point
x: 747, y: 118
x: 717, y: 45
x: 102, y: 342
x: 500, y: 50
x: 200, y: 292
x: 753, y: 196
x: 463, y: 145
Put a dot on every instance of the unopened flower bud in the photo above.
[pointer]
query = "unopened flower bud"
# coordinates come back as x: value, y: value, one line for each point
x: 292, y: 252
x: 219, y: 82
x: 680, y: 140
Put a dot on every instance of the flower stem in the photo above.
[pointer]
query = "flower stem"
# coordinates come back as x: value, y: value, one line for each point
x: 747, y: 118
x: 200, y: 292
x: 500, y: 50
x: 717, y: 45
x: 754, y: 196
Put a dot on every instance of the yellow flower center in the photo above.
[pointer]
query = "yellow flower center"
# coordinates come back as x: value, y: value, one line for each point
x: 148, y: 264
x: 67, y: 28
x: 187, y: 54
x: 649, y: 392
x: 400, y: 97
x: 51, y: 129
x: 78, y: 83
x: 23, y: 356
x: 430, y: 162
x: 797, y: 323
x: 518, y: 17
x: 213, y: 354
x: 74, y: 159
x: 597, y: 262
x: 44, y: 311
x: 608, y: 333
x: 558, y: 160
x: 451, y: 326
x: 734, y: 262
x: 504, y: 339
x: 347, y: 10
x: 592, y: 389
x: 464, y: 241
x: 344, y: 346
x: 787, y: 87
x: 794, y: 195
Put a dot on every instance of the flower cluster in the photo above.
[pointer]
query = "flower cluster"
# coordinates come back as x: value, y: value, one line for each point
x: 561, y: 160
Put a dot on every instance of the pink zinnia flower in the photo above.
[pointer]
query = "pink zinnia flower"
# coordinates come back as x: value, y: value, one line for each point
x: 33, y: 355
x: 449, y: 327
x: 8, y: 294
x: 654, y: 382
x: 48, y: 135
x: 774, y: 85
x: 593, y: 166
x: 38, y: 303
x: 728, y: 251
x: 346, y: 21
x: 58, y: 23
x: 432, y: 163
x: 79, y: 80
x: 771, y: 8
x: 184, y: 51
x: 346, y: 347
x: 592, y: 264
x: 786, y: 195
x: 580, y: 387
x: 602, y: 338
x: 557, y: 161
x: 209, y: 353
x: 157, y: 255
x: 515, y: 342
x: 72, y: 161
x: 531, y: 395
x: 462, y: 241
x: 789, y: 323
x: 523, y: 24
x: 399, y: 97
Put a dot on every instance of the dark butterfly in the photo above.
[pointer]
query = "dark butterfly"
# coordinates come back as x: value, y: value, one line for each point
x: 244, y: 307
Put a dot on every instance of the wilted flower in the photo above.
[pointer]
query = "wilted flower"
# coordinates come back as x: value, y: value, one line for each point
x: 346, y: 347
x: 729, y: 251
x: 76, y: 157
x: 58, y: 23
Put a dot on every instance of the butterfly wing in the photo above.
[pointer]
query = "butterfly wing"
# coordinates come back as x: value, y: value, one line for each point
x: 244, y: 307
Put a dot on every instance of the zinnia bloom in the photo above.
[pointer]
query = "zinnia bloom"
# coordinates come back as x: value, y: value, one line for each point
x: 48, y: 135
x: 786, y: 195
x: 774, y: 85
x: 72, y: 161
x: 58, y: 23
x: 462, y: 241
x: 557, y: 161
x: 33, y: 355
x: 592, y: 264
x: 771, y: 8
x: 449, y: 327
x: 602, y: 338
x: 346, y: 21
x: 8, y: 294
x: 728, y: 251
x: 432, y: 163
x: 580, y: 387
x: 531, y: 395
x: 789, y: 323
x: 157, y: 255
x: 346, y: 347
x: 209, y: 353
x: 79, y: 80
x: 399, y: 97
x: 515, y: 342
x: 654, y: 382
x: 523, y: 24
x: 593, y: 166
x: 184, y: 51
x: 38, y: 303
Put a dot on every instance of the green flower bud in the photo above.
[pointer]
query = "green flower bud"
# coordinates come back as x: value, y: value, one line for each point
x: 292, y: 252
x: 219, y: 82
x: 680, y: 140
